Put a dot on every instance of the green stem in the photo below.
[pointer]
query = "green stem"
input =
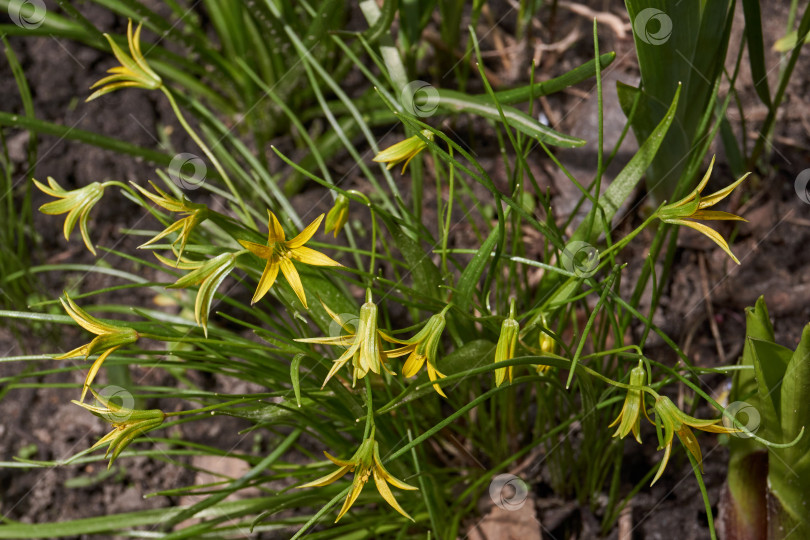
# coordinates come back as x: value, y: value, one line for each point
x: 373, y: 261
x: 213, y: 407
x: 370, y: 409
x: 449, y: 210
x: 618, y: 246
x: 210, y: 155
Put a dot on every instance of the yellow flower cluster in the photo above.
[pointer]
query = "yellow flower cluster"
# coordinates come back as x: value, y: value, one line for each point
x: 361, y: 338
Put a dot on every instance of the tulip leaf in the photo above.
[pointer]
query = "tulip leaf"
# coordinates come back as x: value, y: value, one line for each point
x: 625, y: 182
x: 769, y: 360
x: 795, y: 407
x: 746, y: 511
x: 758, y: 326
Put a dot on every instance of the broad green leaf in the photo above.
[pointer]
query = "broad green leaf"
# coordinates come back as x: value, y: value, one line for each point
x: 677, y: 43
x: 758, y: 326
x: 788, y: 496
x: 625, y: 182
x: 746, y: 507
x: 770, y: 361
x: 795, y: 395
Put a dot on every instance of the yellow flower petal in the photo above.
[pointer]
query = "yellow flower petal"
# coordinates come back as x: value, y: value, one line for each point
x: 708, y: 231
x: 432, y: 375
x: 705, y: 180
x: 337, y: 461
x: 716, y: 197
x: 266, y: 281
x: 260, y: 250
x: 275, y: 232
x: 91, y: 373
x: 357, y: 487
x: 343, y: 341
x: 716, y: 215
x: 385, y: 491
x: 664, y: 461
x: 84, y: 350
x: 289, y: 271
x: 304, y: 236
x: 84, y: 319
x: 54, y: 191
x: 312, y: 257
x: 413, y: 364
x: 328, y: 479
x: 691, y: 443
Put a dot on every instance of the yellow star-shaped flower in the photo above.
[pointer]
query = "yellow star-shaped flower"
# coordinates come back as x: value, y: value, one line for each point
x: 280, y: 254
x: 365, y: 463
x: 133, y: 72
x: 692, y: 209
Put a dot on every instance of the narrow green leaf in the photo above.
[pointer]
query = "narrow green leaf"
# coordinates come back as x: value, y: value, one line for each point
x: 551, y: 86
x: 756, y: 49
x: 471, y: 275
x: 468, y: 356
x: 426, y: 276
x: 457, y: 102
x: 734, y: 156
x: 625, y: 182
x: 294, y: 376
x: 72, y: 133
